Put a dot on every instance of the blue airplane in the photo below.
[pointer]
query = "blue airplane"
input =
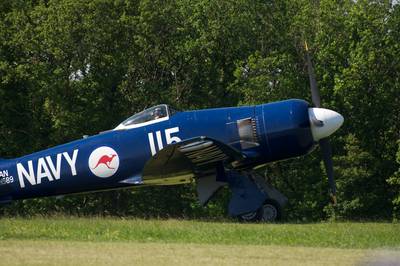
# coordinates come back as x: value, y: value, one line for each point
x: 162, y: 146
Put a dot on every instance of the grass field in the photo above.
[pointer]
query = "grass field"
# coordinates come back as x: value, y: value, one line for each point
x: 78, y: 241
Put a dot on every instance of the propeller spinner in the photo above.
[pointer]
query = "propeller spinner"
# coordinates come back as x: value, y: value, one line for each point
x: 324, y: 122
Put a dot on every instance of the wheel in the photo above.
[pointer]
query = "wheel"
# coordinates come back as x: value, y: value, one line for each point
x: 249, y: 217
x: 269, y: 212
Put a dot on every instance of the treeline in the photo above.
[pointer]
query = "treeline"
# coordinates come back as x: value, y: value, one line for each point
x: 70, y: 68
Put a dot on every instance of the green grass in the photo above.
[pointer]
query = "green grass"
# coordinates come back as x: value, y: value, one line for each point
x: 50, y: 252
x: 334, y: 235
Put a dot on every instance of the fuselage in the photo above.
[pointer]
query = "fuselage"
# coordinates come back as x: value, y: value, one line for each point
x: 264, y: 133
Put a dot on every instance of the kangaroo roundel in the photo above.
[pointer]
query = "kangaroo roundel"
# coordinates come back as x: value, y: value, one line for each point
x: 104, y: 162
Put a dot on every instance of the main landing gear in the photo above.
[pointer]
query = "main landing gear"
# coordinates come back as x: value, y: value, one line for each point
x: 253, y: 199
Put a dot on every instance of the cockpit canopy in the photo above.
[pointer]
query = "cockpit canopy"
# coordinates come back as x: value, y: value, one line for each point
x: 151, y: 115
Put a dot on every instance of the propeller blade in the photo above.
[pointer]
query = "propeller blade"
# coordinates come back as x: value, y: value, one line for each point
x: 323, y: 143
x: 327, y: 157
x: 313, y: 82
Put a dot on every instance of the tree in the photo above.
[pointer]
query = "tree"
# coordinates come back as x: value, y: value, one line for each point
x: 70, y: 68
x: 394, y: 181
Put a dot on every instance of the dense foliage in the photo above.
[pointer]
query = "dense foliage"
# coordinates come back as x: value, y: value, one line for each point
x: 69, y: 68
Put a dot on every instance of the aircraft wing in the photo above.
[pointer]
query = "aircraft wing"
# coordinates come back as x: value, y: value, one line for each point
x: 180, y: 162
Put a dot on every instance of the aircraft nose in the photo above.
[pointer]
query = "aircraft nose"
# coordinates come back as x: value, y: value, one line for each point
x: 324, y: 122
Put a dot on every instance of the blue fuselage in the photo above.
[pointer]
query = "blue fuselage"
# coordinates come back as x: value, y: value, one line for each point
x: 264, y: 133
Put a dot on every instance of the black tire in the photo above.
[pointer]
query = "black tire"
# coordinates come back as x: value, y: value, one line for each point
x: 269, y: 212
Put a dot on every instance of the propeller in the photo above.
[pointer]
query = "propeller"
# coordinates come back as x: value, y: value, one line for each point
x: 323, y: 142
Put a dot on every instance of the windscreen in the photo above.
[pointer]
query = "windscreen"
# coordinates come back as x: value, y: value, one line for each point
x: 153, y: 113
